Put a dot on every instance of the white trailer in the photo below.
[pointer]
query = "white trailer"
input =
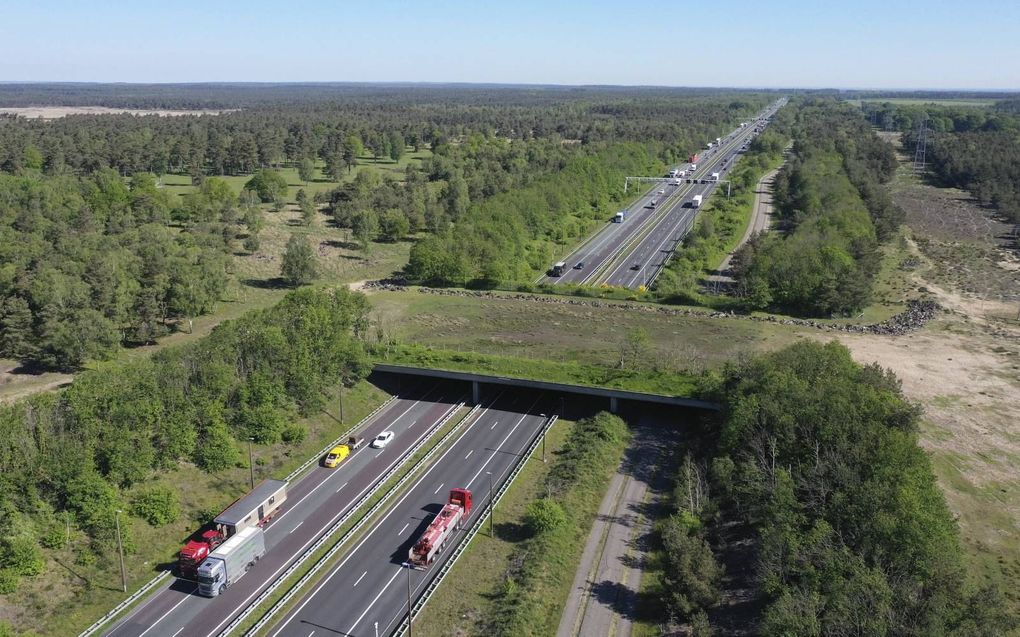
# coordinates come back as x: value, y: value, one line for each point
x: 696, y: 202
x: 231, y: 560
x: 254, y: 509
x: 714, y: 177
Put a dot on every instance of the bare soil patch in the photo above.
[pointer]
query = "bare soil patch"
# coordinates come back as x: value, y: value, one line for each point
x: 56, y: 112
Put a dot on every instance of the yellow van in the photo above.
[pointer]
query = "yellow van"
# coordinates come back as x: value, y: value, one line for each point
x: 335, y: 456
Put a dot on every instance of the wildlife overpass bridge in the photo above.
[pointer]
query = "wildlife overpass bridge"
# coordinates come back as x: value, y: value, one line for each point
x: 613, y: 396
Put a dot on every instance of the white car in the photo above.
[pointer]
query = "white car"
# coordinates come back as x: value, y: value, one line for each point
x: 382, y: 440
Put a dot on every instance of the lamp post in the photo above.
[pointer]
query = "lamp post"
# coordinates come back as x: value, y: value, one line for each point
x: 408, y: 566
x: 492, y: 506
x: 120, y: 551
x: 543, y: 438
x: 251, y: 463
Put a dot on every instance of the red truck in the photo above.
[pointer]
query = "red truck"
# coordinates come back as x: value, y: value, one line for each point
x: 441, y: 528
x: 254, y: 509
x: 693, y: 159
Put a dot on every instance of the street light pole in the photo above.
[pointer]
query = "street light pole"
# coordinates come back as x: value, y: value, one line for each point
x: 492, y: 506
x: 120, y: 551
x: 408, y: 566
x: 251, y: 463
x: 543, y: 438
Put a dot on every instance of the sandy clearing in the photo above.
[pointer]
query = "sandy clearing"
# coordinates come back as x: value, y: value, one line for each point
x: 56, y: 112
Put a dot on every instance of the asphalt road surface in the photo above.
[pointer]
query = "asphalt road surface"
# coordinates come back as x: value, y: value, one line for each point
x: 314, y: 502
x: 368, y: 585
x: 643, y: 262
x: 622, y: 246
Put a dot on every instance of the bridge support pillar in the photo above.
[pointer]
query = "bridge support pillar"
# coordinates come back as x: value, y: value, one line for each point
x: 614, y: 404
x: 476, y: 392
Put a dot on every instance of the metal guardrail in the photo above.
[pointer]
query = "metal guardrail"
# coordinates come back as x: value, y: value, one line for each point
x: 283, y: 601
x: 119, y: 608
x: 124, y: 604
x: 475, y: 528
x: 342, y: 438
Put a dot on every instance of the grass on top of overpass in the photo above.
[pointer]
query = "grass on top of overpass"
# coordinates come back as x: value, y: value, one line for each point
x: 634, y: 379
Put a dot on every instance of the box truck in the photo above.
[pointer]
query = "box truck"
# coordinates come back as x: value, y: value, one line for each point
x: 231, y: 560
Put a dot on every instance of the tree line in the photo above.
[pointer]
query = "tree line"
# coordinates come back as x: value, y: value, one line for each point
x: 972, y: 148
x: 71, y: 455
x: 815, y: 462
x: 337, y: 130
x: 833, y: 212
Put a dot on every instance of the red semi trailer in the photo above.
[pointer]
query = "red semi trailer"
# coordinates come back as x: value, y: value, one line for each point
x: 441, y: 528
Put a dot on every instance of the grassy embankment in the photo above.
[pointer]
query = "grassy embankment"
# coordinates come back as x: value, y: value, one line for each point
x: 562, y: 336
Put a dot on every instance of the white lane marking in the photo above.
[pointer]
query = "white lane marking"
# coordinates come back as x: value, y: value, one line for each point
x: 311, y: 633
x: 393, y: 507
x: 296, y: 526
x: 401, y: 531
x: 500, y: 445
x: 186, y: 598
x: 438, y: 488
x: 286, y: 564
x: 378, y: 454
x: 350, y: 631
x: 469, y: 454
x: 342, y: 486
x: 296, y: 504
x: 361, y: 578
x: 178, y: 632
x: 494, y: 425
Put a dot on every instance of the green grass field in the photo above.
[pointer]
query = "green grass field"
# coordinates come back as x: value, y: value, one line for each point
x: 532, y: 329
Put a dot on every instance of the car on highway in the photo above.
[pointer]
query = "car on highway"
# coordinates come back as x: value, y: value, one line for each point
x: 662, y: 191
x: 382, y: 440
x: 636, y: 266
x: 579, y: 265
x: 336, y: 456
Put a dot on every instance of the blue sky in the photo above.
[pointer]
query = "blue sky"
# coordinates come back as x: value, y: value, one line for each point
x: 865, y: 43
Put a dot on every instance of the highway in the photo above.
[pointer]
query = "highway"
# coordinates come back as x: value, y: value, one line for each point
x: 605, y: 243
x: 314, y: 502
x: 368, y: 585
x: 641, y: 263
x: 648, y: 236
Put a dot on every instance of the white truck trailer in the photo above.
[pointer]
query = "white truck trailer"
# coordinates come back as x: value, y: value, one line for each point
x: 231, y: 560
x: 696, y: 201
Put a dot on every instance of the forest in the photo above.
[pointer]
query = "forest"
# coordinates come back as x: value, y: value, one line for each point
x: 976, y: 149
x: 833, y: 213
x: 815, y: 462
x: 71, y: 455
x: 96, y: 255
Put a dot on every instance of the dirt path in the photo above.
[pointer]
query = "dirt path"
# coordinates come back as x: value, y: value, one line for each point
x: 603, y: 598
x: 761, y: 217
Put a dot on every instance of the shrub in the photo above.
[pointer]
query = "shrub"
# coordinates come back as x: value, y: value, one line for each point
x: 544, y: 515
x: 21, y: 555
x: 158, y: 506
x: 293, y: 434
x: 8, y: 581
